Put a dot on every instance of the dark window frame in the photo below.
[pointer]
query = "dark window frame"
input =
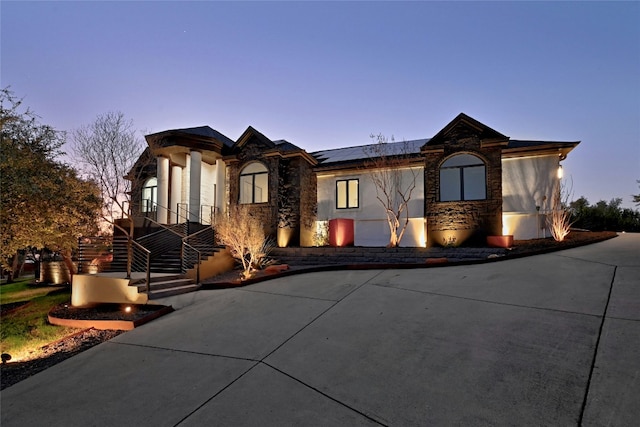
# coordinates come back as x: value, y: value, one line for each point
x: 149, y: 205
x: 347, y: 199
x: 253, y: 187
x: 461, y: 169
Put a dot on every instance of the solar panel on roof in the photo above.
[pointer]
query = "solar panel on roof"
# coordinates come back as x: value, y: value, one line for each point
x: 359, y: 152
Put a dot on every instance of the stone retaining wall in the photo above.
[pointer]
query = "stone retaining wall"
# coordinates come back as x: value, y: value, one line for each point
x: 365, y: 255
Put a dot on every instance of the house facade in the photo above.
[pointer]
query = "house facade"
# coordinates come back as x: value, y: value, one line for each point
x: 468, y: 181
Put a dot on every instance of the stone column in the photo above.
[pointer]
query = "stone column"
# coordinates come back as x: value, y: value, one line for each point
x: 176, y: 194
x: 195, y: 163
x: 163, y: 189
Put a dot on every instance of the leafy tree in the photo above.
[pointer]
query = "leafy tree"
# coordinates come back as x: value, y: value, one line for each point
x: 387, y: 169
x: 44, y: 202
x: 636, y: 197
x: 605, y: 215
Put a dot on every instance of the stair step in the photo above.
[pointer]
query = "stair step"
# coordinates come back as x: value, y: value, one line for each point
x: 173, y: 291
x: 163, y: 278
x: 167, y: 284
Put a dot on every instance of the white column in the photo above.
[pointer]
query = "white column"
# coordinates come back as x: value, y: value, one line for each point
x: 163, y: 189
x: 221, y: 185
x: 195, y: 163
x: 176, y: 192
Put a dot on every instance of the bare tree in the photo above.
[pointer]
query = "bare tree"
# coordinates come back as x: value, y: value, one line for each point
x: 389, y: 168
x: 107, y: 150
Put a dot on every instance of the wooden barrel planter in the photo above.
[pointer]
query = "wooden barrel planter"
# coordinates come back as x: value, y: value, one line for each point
x: 54, y: 272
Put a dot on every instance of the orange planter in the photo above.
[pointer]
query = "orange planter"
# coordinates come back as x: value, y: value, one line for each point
x: 500, y: 241
x: 341, y: 232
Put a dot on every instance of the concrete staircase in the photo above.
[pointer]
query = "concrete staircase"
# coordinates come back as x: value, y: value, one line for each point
x: 165, y: 285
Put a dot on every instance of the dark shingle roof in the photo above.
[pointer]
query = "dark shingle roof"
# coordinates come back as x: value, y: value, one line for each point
x: 284, y: 145
x: 207, y: 132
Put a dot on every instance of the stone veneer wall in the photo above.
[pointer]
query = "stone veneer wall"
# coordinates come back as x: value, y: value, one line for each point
x: 450, y: 223
x: 308, y: 192
x: 292, y: 193
x: 266, y: 212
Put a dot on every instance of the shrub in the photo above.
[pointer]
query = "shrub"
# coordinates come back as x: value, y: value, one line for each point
x: 243, y: 234
x: 559, y: 218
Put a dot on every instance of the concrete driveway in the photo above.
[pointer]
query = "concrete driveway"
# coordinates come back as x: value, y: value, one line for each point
x: 546, y: 340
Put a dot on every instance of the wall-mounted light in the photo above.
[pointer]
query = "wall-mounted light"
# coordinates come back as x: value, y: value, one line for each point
x: 560, y: 172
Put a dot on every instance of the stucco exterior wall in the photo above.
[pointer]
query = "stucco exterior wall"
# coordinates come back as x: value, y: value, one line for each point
x: 527, y: 183
x: 370, y: 226
x: 186, y: 181
x: 89, y: 289
x: 207, y: 186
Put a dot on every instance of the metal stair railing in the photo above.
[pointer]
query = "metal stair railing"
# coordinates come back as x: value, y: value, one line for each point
x: 193, y: 245
x: 141, y: 262
x: 205, y: 216
x: 168, y: 238
x: 191, y: 257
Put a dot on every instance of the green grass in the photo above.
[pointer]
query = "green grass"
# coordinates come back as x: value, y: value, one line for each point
x: 23, y: 290
x: 25, y: 330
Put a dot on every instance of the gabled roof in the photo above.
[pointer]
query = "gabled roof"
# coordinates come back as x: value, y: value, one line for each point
x: 251, y: 132
x: 279, y: 147
x: 484, y: 132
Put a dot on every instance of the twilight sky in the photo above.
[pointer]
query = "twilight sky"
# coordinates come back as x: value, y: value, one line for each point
x: 328, y: 74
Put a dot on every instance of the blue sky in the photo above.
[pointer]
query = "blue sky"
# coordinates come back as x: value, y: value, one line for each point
x: 329, y: 74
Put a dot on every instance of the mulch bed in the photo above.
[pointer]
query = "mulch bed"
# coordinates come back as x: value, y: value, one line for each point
x: 63, y: 349
x: 105, y: 311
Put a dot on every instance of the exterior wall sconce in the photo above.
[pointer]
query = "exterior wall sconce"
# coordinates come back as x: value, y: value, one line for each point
x: 560, y: 172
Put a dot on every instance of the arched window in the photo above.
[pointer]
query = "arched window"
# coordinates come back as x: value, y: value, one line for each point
x: 463, y: 177
x: 254, y: 184
x: 149, y: 195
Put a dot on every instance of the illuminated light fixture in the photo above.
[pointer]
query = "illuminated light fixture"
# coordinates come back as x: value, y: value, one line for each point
x: 560, y: 172
x: 127, y: 309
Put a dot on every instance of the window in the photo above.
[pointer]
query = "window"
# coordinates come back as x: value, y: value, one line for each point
x: 347, y: 194
x: 254, y: 184
x: 463, y: 177
x: 149, y: 195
